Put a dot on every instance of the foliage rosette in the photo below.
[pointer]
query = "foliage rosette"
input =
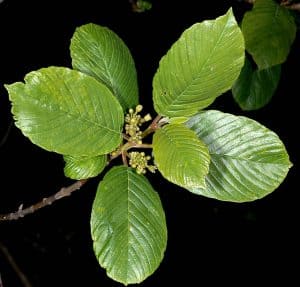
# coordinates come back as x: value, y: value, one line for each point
x: 81, y: 113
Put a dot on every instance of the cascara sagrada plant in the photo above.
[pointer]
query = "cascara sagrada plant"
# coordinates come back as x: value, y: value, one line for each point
x: 91, y: 115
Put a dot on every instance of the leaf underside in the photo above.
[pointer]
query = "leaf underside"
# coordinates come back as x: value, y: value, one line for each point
x: 248, y: 161
x: 128, y: 226
x: 201, y: 65
x: 67, y: 112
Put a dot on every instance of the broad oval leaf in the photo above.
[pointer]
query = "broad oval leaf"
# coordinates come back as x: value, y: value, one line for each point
x: 99, y: 52
x: 180, y: 156
x: 248, y: 161
x: 254, y: 88
x: 81, y: 167
x: 128, y: 226
x: 66, y: 111
x: 269, y: 32
x: 201, y: 65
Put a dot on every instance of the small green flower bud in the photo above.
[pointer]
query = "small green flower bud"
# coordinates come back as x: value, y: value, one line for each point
x: 114, y: 153
x: 147, y: 118
x: 138, y: 108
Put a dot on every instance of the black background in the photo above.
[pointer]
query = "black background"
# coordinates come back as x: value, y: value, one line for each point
x: 209, y: 241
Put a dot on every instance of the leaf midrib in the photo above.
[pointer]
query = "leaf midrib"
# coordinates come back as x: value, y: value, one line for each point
x: 102, y: 58
x: 176, y: 98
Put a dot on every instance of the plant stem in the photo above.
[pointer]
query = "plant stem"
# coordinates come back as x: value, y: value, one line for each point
x: 124, y: 157
x: 63, y: 192
x: 152, y: 127
x: 285, y: 3
x: 295, y: 6
x: 123, y: 150
x: 14, y: 266
x: 141, y: 146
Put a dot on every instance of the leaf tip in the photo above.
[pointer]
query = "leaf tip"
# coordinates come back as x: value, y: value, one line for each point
x: 229, y: 11
x: 13, y: 89
x: 230, y: 14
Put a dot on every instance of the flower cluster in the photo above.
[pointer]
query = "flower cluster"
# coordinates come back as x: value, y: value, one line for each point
x: 133, y: 122
x: 139, y: 161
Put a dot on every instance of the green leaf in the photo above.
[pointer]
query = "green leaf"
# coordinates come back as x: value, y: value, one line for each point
x: 201, y: 65
x: 128, y: 226
x: 99, y: 52
x: 79, y: 167
x: 143, y: 6
x: 180, y: 156
x: 248, y: 161
x: 269, y: 32
x: 255, y: 88
x: 177, y: 120
x: 66, y: 111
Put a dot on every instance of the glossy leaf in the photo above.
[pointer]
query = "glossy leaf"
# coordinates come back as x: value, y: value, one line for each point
x: 254, y: 88
x: 128, y: 226
x: 78, y: 167
x: 201, y: 65
x: 180, y: 156
x: 248, y: 161
x: 99, y: 52
x: 66, y: 111
x: 269, y: 32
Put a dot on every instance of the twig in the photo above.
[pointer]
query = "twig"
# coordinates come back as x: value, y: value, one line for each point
x: 295, y: 6
x: 152, y: 127
x: 285, y: 3
x: 3, y: 140
x: 124, y: 157
x: 142, y: 146
x: 14, y: 266
x: 63, y: 192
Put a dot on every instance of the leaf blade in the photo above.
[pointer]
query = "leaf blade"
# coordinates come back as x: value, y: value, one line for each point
x: 269, y: 32
x: 84, y: 167
x: 99, y: 52
x: 180, y: 156
x: 254, y: 88
x: 202, y: 64
x: 128, y: 226
x: 67, y: 112
x: 248, y: 161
